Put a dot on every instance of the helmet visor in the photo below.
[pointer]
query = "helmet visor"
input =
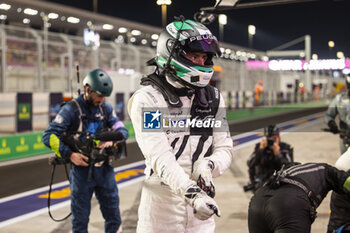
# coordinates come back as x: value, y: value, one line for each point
x: 203, y: 43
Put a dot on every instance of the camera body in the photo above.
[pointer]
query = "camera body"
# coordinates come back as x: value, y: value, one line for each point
x: 88, y: 146
x: 270, y: 132
x: 270, y: 141
x: 98, y: 155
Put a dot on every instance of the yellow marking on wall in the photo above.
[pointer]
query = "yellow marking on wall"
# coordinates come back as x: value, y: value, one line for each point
x: 127, y: 174
x: 24, y: 115
x: 39, y: 144
x: 6, y: 150
x: 58, y: 194
x: 22, y: 147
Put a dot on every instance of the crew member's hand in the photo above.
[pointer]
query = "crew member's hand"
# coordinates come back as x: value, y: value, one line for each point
x: 333, y: 127
x: 276, y: 148
x: 79, y: 159
x: 104, y: 144
x: 263, y: 144
x: 203, y: 205
x: 202, y: 174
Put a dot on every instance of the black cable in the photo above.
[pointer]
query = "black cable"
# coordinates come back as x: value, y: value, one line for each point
x: 182, y: 19
x: 50, y: 189
x: 78, y: 79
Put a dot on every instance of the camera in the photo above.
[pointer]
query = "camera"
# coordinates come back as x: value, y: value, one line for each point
x: 97, y: 155
x: 89, y: 148
x: 270, y: 141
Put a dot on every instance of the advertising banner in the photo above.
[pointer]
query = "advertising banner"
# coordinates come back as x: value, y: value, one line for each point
x: 55, y: 104
x: 237, y: 100
x: 229, y: 100
x: 119, y: 108
x: 24, y: 112
x: 23, y: 145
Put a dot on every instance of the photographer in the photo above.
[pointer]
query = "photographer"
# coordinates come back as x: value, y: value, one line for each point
x: 90, y: 114
x: 268, y: 156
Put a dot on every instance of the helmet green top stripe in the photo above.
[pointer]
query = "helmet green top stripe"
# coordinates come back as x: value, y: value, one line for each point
x: 187, y: 25
x: 204, y: 69
x: 179, y: 68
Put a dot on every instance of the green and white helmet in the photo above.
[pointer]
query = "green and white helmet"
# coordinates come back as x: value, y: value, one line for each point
x: 194, y: 37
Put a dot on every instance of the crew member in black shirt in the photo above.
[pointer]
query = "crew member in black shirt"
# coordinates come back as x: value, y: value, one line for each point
x: 288, y: 202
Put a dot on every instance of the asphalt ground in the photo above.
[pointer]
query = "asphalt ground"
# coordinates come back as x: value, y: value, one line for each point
x: 310, y: 145
x: 35, y: 172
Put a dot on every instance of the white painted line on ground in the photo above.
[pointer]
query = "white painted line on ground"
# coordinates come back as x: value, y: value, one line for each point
x: 63, y: 183
x: 294, y: 128
x: 62, y: 204
x: 135, y: 180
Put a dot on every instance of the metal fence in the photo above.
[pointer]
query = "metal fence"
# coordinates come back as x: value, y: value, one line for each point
x: 33, y: 61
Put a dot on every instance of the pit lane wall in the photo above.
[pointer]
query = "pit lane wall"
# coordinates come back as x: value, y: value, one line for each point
x: 17, y: 143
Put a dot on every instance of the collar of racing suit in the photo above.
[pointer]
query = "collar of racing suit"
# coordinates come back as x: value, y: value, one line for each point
x: 171, y: 91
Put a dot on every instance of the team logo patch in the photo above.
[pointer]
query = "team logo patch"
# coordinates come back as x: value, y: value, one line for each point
x: 152, y: 119
x: 58, y: 119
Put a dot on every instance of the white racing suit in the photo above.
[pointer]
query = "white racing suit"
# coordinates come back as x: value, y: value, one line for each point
x: 170, y: 158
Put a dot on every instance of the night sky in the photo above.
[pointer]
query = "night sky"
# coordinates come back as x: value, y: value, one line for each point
x: 324, y: 20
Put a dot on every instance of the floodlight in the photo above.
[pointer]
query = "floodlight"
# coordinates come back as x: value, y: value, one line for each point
x: 122, y: 30
x: 135, y: 32
x: 4, y: 6
x: 107, y: 26
x: 52, y: 15
x: 155, y: 36
x: 29, y: 11
x: 73, y: 20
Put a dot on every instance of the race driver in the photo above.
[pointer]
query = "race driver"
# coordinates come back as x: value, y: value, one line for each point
x: 177, y: 195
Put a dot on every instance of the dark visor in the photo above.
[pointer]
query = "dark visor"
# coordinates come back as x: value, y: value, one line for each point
x: 203, y: 45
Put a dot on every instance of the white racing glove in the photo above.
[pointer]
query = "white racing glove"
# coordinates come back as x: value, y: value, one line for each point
x: 203, y: 205
x: 202, y: 175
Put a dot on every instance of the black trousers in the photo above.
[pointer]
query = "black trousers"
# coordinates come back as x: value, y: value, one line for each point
x: 340, y: 211
x: 283, y: 210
